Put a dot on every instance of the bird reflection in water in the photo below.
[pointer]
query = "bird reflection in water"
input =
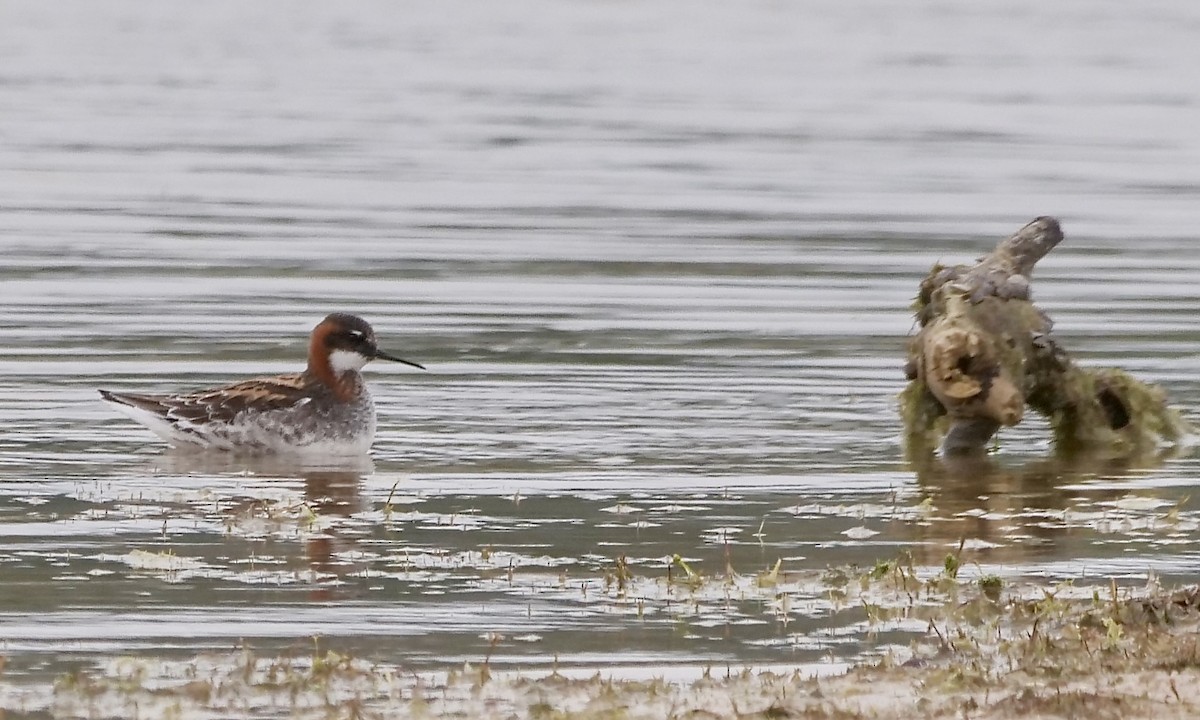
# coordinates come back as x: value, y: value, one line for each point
x: 332, y: 496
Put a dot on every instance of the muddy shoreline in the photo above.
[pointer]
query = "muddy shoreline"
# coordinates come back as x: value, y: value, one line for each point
x: 990, y: 650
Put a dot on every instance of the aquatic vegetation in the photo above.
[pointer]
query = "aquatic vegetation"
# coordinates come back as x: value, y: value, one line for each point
x: 980, y: 647
x: 725, y: 581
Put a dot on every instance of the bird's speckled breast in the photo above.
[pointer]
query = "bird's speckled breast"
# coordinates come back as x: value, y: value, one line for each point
x: 319, y: 423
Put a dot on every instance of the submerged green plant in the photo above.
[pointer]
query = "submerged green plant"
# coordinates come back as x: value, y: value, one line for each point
x: 691, y: 577
x: 991, y: 585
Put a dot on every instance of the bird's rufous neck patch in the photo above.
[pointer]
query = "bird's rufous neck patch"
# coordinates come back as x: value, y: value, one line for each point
x: 341, y: 384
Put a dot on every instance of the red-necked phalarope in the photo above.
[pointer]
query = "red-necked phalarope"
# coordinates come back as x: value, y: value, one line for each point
x: 326, y: 408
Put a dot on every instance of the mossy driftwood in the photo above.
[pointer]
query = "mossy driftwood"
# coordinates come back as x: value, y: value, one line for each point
x: 984, y: 352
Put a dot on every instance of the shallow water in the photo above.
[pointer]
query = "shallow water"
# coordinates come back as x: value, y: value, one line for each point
x: 657, y: 260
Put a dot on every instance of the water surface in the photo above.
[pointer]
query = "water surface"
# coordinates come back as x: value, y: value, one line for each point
x: 657, y: 259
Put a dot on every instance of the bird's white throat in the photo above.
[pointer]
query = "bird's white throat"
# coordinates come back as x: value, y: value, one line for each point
x: 344, y: 360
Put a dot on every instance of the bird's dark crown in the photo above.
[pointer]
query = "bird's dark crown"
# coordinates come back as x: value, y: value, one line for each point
x: 348, y: 332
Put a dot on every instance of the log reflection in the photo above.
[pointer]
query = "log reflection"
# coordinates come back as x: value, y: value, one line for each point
x: 1013, y: 514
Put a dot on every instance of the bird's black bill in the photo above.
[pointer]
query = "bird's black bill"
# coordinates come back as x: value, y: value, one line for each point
x: 384, y: 356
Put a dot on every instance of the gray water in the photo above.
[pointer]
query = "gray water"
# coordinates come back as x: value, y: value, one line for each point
x: 657, y: 258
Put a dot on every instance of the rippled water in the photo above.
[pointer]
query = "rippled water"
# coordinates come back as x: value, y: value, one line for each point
x: 657, y: 259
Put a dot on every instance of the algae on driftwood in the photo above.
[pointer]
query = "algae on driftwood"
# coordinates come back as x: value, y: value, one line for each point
x: 984, y: 352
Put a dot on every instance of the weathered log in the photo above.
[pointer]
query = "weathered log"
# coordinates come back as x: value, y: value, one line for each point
x: 984, y: 351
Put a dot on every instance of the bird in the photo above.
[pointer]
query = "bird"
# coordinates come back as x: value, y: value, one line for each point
x: 325, y: 409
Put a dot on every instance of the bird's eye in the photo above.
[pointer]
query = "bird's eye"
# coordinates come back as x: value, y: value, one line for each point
x: 356, y: 334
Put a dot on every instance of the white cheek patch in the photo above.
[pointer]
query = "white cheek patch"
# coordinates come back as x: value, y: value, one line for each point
x: 344, y: 360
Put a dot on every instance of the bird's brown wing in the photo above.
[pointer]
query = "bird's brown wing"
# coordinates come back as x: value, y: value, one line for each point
x: 221, y: 405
